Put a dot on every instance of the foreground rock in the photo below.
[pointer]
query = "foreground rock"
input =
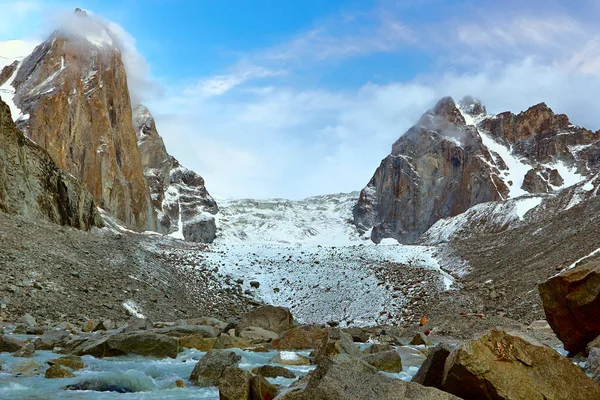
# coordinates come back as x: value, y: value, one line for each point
x: 234, y: 384
x: 356, y: 380
x: 571, y: 302
x: 57, y: 372
x: 387, y: 361
x: 270, y: 318
x: 511, y: 366
x: 209, y: 369
x: 73, y: 362
x: 9, y: 344
x: 337, y: 344
x: 300, y: 338
x: 273, y: 371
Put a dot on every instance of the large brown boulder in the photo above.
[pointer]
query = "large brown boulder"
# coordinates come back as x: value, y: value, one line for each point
x: 337, y: 344
x: 210, y: 368
x: 141, y: 343
x: 9, y: 344
x: 300, y: 338
x: 356, y: 380
x: 234, y: 384
x: 571, y: 302
x: 271, y: 318
x: 511, y: 366
x: 387, y: 361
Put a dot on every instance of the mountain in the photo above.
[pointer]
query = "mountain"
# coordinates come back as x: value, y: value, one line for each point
x: 32, y: 185
x: 184, y: 207
x: 73, y: 100
x: 458, y: 156
x: 317, y: 220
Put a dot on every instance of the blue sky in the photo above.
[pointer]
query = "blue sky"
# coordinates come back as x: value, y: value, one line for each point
x: 297, y: 98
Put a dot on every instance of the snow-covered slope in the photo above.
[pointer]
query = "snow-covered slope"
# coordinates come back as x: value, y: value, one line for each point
x: 308, y: 256
x: 12, y: 52
x: 319, y: 220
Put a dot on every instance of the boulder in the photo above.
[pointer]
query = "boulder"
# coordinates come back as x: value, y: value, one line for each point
x: 258, y: 335
x: 420, y: 339
x: 57, y: 372
x: 234, y: 384
x: 271, y: 318
x: 431, y: 372
x: 209, y: 369
x: 337, y: 344
x: 356, y: 380
x: 73, y: 362
x: 571, y: 302
x: 51, y: 339
x: 138, y: 324
x: 28, y: 320
x: 26, y: 351
x: 140, y: 343
x: 261, y: 389
x: 300, y: 338
x: 509, y: 365
x: 197, y: 342
x: 541, y: 326
x: 9, y: 344
x: 387, y: 361
x: 273, y: 371
x: 290, y: 358
x: 378, y: 348
x: 27, y: 368
x: 358, y: 334
x: 225, y: 341
x: 208, y: 321
x: 100, y: 385
x: 186, y: 330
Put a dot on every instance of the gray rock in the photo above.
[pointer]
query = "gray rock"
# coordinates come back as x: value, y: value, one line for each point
x: 356, y: 380
x: 235, y: 384
x: 387, y: 361
x: 273, y: 371
x: 271, y: 318
x: 28, y: 320
x: 209, y: 369
x: 26, y: 351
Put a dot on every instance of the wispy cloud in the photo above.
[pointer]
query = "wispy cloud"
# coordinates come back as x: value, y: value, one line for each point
x: 220, y: 84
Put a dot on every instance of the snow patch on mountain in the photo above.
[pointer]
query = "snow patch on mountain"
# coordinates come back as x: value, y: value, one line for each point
x: 13, y: 51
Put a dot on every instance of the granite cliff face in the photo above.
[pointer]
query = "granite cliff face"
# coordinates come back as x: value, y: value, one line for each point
x: 184, y: 207
x: 32, y: 185
x: 73, y: 95
x: 458, y: 156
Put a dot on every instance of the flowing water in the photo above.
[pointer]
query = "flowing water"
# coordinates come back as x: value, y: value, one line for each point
x: 150, y: 378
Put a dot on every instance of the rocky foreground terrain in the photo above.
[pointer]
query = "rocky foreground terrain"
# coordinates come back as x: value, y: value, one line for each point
x: 120, y: 273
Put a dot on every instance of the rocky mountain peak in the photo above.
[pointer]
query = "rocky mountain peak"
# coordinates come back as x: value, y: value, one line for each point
x: 184, y: 207
x: 472, y: 106
x: 458, y: 156
x: 73, y: 95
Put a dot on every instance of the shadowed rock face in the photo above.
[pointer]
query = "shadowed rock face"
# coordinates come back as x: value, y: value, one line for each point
x: 32, y: 185
x: 74, y: 90
x: 438, y: 169
x: 444, y: 165
x: 178, y: 194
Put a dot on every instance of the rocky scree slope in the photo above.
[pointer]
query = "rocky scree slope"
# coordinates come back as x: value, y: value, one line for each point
x: 74, y: 101
x: 31, y: 184
x: 74, y: 276
x: 184, y: 207
x: 458, y: 156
